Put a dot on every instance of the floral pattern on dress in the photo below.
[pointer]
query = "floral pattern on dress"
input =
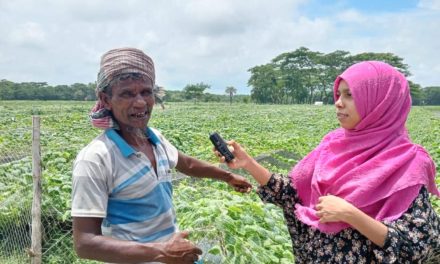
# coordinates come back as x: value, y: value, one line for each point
x: 413, y: 238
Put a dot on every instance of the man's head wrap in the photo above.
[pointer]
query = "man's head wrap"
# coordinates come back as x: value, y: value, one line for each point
x: 113, y: 64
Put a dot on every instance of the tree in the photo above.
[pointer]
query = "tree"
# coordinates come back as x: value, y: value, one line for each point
x: 264, y: 80
x: 331, y: 65
x: 416, y: 93
x: 389, y: 58
x: 432, y: 95
x: 195, y: 91
x: 231, y: 91
x: 303, y: 76
x: 79, y: 91
x: 7, y: 91
x: 299, y: 73
x: 174, y: 96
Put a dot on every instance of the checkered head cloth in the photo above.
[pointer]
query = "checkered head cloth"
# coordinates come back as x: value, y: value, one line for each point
x: 114, y: 63
x: 124, y: 60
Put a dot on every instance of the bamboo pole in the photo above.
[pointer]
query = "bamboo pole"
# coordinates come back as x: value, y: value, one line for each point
x: 36, y: 202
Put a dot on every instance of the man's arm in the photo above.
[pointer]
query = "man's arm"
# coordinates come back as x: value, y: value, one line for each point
x: 197, y: 168
x: 91, y: 244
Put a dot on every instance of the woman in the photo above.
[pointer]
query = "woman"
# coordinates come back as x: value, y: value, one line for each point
x: 361, y: 196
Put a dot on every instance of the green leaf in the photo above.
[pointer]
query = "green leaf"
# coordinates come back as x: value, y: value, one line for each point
x: 215, y: 250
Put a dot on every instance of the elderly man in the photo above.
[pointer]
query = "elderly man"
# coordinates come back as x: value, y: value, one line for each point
x: 122, y: 194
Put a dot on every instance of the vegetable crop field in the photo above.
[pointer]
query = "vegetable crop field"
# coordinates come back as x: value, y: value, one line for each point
x: 229, y: 226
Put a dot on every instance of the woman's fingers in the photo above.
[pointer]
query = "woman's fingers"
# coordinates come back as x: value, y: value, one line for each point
x: 222, y: 159
x: 319, y: 213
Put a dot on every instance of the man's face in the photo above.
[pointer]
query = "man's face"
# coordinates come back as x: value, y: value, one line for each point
x: 131, y: 102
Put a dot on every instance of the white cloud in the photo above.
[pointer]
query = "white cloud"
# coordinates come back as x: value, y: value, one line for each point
x: 29, y: 33
x: 410, y: 35
x: 351, y: 16
x: 214, y: 41
x: 430, y: 4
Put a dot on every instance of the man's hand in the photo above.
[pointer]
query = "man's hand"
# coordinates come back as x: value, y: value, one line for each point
x: 239, y: 183
x: 180, y: 250
x: 333, y: 209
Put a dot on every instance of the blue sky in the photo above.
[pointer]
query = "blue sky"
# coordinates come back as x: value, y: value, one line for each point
x: 317, y: 8
x: 210, y: 41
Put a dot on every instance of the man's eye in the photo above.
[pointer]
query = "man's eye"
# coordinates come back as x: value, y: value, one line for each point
x: 127, y: 94
x: 147, y: 93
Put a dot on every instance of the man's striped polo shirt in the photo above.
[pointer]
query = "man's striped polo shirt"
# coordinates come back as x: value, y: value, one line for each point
x: 111, y: 180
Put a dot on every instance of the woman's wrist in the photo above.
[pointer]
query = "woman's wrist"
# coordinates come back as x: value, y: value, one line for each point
x: 250, y: 164
x: 351, y: 215
x: 371, y: 228
x: 260, y: 173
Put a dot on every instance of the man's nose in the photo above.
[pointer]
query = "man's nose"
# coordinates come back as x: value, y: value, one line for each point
x: 139, y: 100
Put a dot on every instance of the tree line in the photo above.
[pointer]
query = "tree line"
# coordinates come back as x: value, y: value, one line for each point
x: 86, y: 92
x: 304, y: 76
x: 42, y: 91
x: 298, y: 77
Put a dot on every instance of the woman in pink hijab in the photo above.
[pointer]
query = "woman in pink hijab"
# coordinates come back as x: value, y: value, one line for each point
x: 361, y: 196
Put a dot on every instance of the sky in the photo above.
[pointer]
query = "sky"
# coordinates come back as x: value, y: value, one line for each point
x: 211, y: 41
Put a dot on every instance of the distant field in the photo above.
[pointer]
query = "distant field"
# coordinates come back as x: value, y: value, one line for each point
x: 235, y: 228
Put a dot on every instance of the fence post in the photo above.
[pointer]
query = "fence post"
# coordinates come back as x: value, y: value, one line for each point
x: 36, y: 201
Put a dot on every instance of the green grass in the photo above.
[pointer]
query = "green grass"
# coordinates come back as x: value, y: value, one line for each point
x: 261, y: 129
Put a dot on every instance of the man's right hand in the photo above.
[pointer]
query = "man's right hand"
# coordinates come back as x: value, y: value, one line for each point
x: 180, y: 250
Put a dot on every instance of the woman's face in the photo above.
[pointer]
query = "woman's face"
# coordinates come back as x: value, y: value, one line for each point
x: 346, y: 111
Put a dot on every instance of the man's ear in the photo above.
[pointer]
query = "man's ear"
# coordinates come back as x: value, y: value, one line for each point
x: 105, y: 98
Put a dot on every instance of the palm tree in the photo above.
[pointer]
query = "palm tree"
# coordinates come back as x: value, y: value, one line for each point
x: 231, y: 91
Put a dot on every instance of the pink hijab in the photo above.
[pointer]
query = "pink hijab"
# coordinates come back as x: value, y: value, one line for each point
x: 374, y: 166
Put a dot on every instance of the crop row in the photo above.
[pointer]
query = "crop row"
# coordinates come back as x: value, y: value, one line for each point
x: 230, y: 226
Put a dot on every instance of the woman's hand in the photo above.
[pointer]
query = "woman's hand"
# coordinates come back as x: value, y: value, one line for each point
x: 241, y: 160
x: 334, y: 209
x: 331, y: 208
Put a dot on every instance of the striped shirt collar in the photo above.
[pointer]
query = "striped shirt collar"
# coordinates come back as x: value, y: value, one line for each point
x: 124, y: 147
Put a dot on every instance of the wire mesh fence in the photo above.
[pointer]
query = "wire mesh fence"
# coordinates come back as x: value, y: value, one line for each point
x: 15, y: 196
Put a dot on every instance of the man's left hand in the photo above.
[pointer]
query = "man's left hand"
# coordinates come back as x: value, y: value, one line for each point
x: 240, y: 183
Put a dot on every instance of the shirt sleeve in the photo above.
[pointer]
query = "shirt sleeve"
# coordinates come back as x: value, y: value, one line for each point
x: 89, y: 190
x: 278, y: 191
x: 415, y: 236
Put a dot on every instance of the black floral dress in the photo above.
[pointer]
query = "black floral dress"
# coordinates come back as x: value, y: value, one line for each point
x: 413, y: 238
